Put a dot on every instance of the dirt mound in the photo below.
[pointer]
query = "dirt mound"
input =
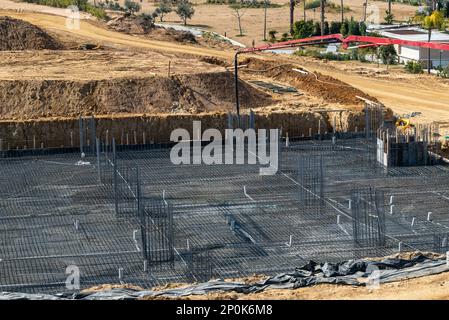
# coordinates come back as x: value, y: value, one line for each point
x: 171, y: 34
x: 315, y: 84
x: 20, y: 35
x: 131, y: 24
x: 30, y: 99
x: 140, y: 25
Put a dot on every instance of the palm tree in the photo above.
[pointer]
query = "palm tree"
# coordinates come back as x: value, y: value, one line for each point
x: 434, y: 21
x: 292, y: 15
x: 342, y: 11
x: 323, y: 18
x: 304, y: 10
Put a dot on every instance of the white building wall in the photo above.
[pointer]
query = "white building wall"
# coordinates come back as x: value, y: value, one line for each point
x: 407, y: 53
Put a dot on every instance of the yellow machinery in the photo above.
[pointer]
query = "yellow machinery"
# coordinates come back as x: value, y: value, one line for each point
x: 403, y: 123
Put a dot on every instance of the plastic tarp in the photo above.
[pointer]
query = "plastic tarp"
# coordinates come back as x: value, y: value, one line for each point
x: 351, y: 272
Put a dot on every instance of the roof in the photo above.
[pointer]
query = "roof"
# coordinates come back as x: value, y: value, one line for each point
x: 406, y: 32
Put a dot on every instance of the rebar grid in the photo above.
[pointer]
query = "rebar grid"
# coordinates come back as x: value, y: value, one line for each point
x: 59, y: 210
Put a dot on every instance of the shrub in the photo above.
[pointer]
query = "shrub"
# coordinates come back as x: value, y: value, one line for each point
x: 443, y: 72
x: 414, y: 67
x: 272, y: 34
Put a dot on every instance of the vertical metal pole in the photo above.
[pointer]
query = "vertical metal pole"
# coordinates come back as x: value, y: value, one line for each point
x: 367, y: 122
x: 138, y: 193
x: 114, y: 160
x: 97, y: 144
x: 81, y: 134
x: 93, y: 132
x: 252, y: 120
x: 236, y: 80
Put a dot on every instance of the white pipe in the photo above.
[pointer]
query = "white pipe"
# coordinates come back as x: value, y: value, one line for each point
x: 391, y: 200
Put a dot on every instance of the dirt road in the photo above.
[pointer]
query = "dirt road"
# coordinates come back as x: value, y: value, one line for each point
x: 402, y: 93
x: 92, y: 32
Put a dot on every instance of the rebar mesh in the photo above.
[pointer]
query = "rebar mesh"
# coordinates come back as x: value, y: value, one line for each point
x: 60, y: 210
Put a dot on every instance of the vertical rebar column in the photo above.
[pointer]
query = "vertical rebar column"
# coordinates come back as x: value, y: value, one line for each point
x: 97, y: 145
x: 81, y: 128
x: 114, y: 161
x: 252, y: 120
x: 93, y: 133
x: 139, y: 203
x: 367, y: 122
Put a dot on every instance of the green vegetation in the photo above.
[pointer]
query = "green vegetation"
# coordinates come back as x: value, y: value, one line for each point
x: 443, y: 72
x: 307, y: 29
x: 388, y: 54
x: 185, y: 10
x: 163, y: 8
x: 132, y: 7
x: 81, y: 4
x: 323, y: 55
x: 389, y: 17
x: 272, y: 34
x: 414, y: 67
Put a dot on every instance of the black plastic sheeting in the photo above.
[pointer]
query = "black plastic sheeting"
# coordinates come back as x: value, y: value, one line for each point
x: 351, y: 272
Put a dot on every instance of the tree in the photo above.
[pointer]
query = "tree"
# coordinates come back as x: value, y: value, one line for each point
x: 342, y: 11
x: 304, y: 6
x: 434, y: 21
x: 164, y: 8
x: 323, y: 15
x: 388, y: 54
x: 362, y: 28
x: 389, y: 17
x: 185, y: 10
x: 344, y: 28
x: 238, y: 13
x: 272, y: 34
x: 326, y: 28
x: 335, y: 27
x: 132, y: 7
x: 316, y: 29
x: 353, y: 28
x: 302, y: 29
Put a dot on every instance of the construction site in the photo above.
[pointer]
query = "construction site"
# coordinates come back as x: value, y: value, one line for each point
x: 88, y: 183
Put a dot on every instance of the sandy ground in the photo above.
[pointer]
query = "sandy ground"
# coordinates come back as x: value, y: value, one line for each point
x: 402, y: 92
x: 220, y: 18
x: 96, y: 65
x: 435, y: 287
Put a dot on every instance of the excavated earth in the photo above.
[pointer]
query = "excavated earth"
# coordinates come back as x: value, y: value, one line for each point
x: 20, y: 35
x: 40, y: 79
